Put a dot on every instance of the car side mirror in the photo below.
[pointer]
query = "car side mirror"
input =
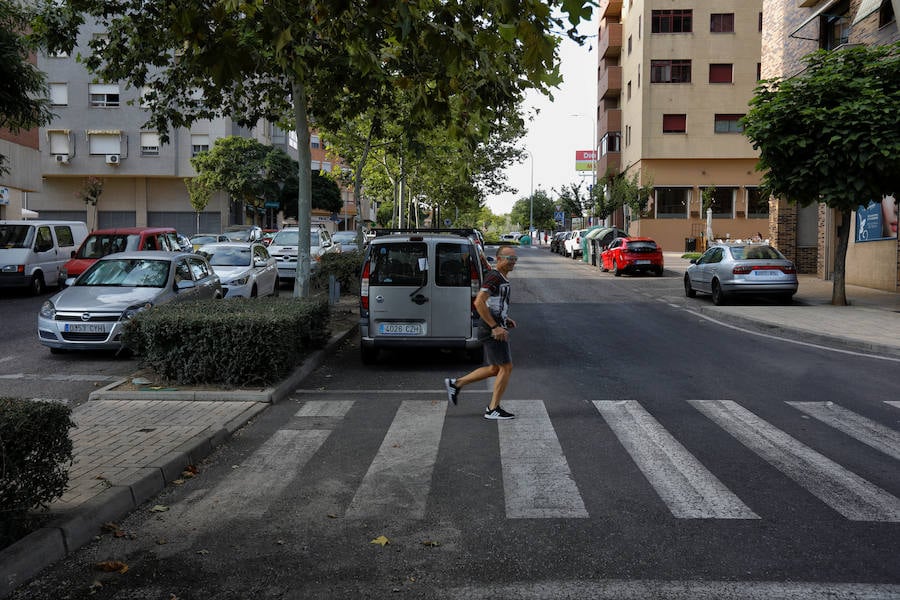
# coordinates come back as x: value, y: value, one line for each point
x: 693, y: 261
x: 260, y: 262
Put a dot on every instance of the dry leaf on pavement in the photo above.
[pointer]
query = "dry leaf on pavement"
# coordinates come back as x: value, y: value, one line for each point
x: 112, y: 565
x: 381, y: 541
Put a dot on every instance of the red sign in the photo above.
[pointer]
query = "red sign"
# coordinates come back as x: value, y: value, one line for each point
x: 585, y: 155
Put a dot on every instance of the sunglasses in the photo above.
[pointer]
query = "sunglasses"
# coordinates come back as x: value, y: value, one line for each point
x: 510, y: 258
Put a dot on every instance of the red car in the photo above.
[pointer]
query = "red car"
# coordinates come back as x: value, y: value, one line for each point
x: 632, y: 255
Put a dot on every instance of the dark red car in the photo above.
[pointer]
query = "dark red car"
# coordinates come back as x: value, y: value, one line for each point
x: 632, y: 255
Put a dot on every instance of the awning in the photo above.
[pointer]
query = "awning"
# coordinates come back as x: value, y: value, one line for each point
x: 812, y: 18
x: 29, y: 214
x: 104, y: 132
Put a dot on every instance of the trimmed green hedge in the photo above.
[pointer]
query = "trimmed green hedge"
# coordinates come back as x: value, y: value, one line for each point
x: 345, y: 266
x: 234, y: 342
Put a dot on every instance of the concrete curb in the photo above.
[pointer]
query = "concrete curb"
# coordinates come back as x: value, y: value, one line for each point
x: 22, y: 561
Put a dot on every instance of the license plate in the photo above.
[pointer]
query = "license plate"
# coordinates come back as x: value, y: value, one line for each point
x: 401, y: 329
x: 87, y: 327
x: 766, y: 273
x: 642, y: 262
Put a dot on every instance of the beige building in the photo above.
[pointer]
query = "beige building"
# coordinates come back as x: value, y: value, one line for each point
x: 791, y: 30
x: 674, y: 78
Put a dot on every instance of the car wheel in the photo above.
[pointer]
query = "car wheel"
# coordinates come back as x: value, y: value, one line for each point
x: 275, y: 289
x: 689, y: 290
x: 658, y: 271
x: 368, y: 355
x: 616, y: 270
x: 253, y: 292
x: 37, y: 286
x: 718, y: 296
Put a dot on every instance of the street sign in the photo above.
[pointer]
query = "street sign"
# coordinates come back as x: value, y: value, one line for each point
x: 448, y: 222
x: 559, y: 216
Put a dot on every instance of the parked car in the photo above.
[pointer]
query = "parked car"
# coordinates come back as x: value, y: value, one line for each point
x: 32, y: 253
x: 572, y: 244
x: 201, y: 239
x: 92, y: 312
x: 184, y: 243
x: 347, y: 240
x: 243, y: 233
x: 512, y: 236
x: 632, y: 255
x: 557, y: 240
x: 268, y: 235
x: 417, y: 290
x: 244, y: 268
x: 726, y: 270
x: 102, y: 242
x: 284, y: 249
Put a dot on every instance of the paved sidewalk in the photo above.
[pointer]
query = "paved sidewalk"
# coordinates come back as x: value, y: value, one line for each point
x: 130, y: 445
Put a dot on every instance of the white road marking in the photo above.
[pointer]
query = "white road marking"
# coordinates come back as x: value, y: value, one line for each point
x: 440, y: 392
x: 536, y: 478
x: 399, y: 478
x: 894, y: 403
x: 675, y: 590
x: 884, y: 439
x: 324, y: 408
x: 689, y: 490
x: 850, y: 495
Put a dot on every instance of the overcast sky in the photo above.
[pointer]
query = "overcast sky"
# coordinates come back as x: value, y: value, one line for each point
x: 562, y: 127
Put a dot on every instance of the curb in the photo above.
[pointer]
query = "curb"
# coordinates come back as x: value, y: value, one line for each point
x: 25, y: 559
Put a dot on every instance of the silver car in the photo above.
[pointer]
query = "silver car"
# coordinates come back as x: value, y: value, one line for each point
x: 284, y: 248
x: 727, y: 270
x: 245, y: 268
x: 91, y: 313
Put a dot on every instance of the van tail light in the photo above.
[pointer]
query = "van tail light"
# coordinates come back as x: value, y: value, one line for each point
x: 364, y: 287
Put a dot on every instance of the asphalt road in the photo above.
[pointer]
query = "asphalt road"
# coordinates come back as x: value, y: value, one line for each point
x: 655, y: 455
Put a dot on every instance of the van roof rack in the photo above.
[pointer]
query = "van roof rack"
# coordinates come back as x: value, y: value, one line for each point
x: 460, y: 231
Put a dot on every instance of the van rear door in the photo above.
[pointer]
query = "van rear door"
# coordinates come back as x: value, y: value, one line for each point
x: 399, y: 304
x: 451, y: 302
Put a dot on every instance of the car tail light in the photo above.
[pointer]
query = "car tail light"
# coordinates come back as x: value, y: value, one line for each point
x: 741, y: 269
x: 746, y: 269
x: 364, y: 287
x: 789, y: 270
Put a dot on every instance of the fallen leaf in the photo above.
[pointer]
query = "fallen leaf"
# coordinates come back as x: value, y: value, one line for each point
x: 162, y: 541
x: 159, y: 508
x: 178, y: 481
x: 431, y: 543
x: 381, y: 541
x: 203, y: 552
x: 112, y: 565
x: 332, y: 516
x: 101, y: 477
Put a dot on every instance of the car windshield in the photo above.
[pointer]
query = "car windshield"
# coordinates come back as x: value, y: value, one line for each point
x: 204, y: 239
x: 344, y: 236
x: 227, y: 257
x: 126, y: 272
x: 240, y: 235
x: 98, y: 246
x: 642, y: 246
x: 755, y: 253
x: 292, y: 238
x: 16, y: 236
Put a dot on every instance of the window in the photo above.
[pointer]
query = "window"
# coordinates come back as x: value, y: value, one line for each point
x: 627, y: 135
x: 671, y: 21
x: 670, y: 71
x: 59, y: 141
x: 105, y: 141
x: 721, y: 23
x: 313, y: 141
x: 886, y: 14
x: 758, y: 71
x: 104, y: 95
x: 149, y: 143
x: 64, y: 236
x: 760, y: 21
x: 611, y: 142
x: 199, y: 143
x: 674, y: 123
x: 728, y: 124
x: 59, y: 94
x: 629, y: 45
x: 721, y: 73
x: 453, y: 265
x: 628, y: 91
x: 671, y: 202
x: 722, y: 202
x: 757, y: 205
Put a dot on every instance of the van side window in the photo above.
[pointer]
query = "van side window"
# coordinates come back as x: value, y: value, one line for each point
x: 452, y: 265
x: 44, y: 240
x: 64, y: 236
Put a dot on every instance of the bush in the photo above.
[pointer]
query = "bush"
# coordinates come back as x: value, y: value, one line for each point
x: 236, y: 342
x: 345, y: 266
x: 35, y: 453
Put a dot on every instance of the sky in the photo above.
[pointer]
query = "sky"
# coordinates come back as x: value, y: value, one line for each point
x: 561, y: 128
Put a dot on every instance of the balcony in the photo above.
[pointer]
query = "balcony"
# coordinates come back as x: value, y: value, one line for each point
x: 611, y: 8
x: 609, y: 162
x: 610, y: 121
x: 611, y: 40
x: 609, y: 84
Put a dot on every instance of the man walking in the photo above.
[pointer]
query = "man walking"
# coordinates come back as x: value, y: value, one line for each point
x: 492, y: 304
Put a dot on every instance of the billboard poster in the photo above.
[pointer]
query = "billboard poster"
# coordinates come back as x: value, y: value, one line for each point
x: 584, y: 160
x: 877, y: 220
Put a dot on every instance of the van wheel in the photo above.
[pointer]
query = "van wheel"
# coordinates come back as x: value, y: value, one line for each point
x: 368, y: 355
x: 37, y: 284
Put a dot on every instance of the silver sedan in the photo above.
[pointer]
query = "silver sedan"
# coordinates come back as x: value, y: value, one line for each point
x: 246, y: 269
x: 92, y: 312
x: 727, y: 270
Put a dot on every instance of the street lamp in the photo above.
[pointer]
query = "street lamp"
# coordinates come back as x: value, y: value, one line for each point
x: 531, y: 198
x: 594, y: 153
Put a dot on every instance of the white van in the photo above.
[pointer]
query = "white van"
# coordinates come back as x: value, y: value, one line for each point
x: 32, y: 252
x: 417, y: 291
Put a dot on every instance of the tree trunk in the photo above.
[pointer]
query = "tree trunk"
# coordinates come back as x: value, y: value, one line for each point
x: 304, y: 196
x: 357, y: 187
x: 839, y: 289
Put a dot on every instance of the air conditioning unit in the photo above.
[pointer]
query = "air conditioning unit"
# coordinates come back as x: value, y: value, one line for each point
x: 62, y: 159
x: 112, y: 159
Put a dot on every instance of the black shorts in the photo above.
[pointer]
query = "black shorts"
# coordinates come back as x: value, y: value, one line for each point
x: 495, y: 352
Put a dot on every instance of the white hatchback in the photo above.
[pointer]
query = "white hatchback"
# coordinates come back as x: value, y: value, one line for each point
x: 245, y: 268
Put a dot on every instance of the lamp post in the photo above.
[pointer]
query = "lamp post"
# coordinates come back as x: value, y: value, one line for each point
x: 593, y: 153
x: 531, y: 197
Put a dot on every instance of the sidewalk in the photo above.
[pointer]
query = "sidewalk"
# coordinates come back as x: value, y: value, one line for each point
x: 130, y: 445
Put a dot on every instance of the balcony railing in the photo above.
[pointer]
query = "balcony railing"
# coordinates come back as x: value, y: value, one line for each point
x: 610, y: 82
x: 611, y: 40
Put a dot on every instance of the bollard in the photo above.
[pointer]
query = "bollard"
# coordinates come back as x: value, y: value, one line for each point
x: 334, y: 290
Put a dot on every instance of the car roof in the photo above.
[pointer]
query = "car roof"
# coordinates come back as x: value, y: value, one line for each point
x: 132, y: 230
x: 232, y: 244
x: 146, y: 254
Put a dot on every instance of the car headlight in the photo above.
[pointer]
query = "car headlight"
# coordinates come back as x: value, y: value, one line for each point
x: 48, y: 311
x: 131, y: 311
x: 238, y: 281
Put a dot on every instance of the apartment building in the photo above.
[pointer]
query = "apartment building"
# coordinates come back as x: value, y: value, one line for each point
x: 791, y: 30
x: 24, y: 174
x: 99, y: 131
x: 674, y: 78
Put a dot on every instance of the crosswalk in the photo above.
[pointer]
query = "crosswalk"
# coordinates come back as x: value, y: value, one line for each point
x: 539, y: 483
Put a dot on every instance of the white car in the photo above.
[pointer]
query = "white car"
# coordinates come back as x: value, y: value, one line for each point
x: 245, y: 268
x: 284, y: 248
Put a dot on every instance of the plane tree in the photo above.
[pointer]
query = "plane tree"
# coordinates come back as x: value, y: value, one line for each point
x: 289, y: 62
x: 829, y: 135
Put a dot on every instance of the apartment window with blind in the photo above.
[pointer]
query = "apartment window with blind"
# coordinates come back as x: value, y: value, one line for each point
x: 721, y: 73
x: 59, y: 142
x: 59, y: 94
x: 104, y: 95
x: 670, y: 71
x: 728, y: 124
x: 674, y: 123
x: 199, y: 143
x: 672, y: 21
x: 149, y: 143
x: 721, y: 23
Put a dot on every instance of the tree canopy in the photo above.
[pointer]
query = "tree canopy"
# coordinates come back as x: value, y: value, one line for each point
x: 829, y: 134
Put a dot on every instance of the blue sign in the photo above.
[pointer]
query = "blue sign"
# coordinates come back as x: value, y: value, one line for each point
x: 868, y: 222
x: 559, y: 216
x: 272, y: 204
